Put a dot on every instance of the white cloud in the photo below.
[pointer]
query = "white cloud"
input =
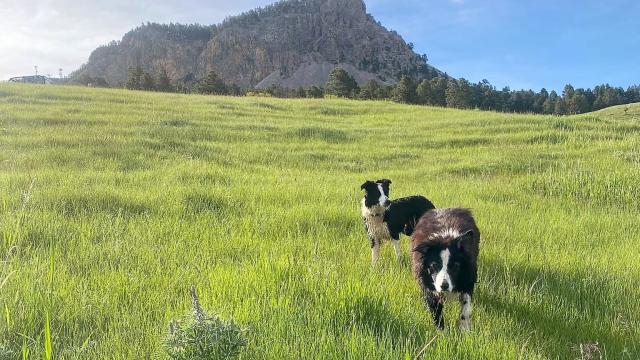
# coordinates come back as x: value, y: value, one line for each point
x: 62, y: 33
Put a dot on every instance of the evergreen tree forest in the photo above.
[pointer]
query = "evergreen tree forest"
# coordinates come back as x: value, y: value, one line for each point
x: 443, y: 91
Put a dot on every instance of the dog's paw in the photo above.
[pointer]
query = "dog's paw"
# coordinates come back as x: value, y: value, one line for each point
x: 464, y: 325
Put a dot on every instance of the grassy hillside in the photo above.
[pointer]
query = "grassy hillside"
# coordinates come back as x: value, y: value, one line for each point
x: 113, y: 202
x: 620, y: 112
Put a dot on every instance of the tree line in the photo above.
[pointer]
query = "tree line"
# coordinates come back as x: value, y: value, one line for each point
x: 441, y: 91
x: 212, y: 84
x: 446, y: 91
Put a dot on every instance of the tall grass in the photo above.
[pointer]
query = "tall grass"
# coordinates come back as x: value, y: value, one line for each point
x: 255, y: 201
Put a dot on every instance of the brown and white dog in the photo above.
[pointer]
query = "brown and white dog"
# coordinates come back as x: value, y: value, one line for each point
x: 445, y: 245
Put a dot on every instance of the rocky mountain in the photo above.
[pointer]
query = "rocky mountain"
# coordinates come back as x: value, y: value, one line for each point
x: 291, y: 43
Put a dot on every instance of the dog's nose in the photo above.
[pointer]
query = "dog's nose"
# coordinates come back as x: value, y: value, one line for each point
x: 445, y: 286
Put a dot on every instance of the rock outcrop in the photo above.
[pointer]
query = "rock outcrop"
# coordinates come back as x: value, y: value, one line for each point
x: 291, y: 43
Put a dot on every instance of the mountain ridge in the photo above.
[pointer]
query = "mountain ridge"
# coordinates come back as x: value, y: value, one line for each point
x: 292, y: 43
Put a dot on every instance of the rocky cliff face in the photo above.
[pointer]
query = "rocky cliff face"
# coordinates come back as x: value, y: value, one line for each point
x: 291, y: 43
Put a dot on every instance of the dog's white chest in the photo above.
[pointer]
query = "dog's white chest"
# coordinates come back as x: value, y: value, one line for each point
x: 374, y: 220
x: 377, y: 229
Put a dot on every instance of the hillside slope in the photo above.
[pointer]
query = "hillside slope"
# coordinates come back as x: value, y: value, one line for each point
x: 113, y: 202
x: 292, y: 43
x: 628, y: 112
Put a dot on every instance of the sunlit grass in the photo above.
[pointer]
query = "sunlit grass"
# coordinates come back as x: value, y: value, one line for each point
x: 113, y: 202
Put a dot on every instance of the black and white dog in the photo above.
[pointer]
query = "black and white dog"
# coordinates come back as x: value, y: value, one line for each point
x: 384, y: 219
x: 445, y: 246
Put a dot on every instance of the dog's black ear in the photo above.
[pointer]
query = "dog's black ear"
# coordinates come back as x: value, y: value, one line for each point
x: 367, y: 185
x: 465, y: 239
x: 384, y: 181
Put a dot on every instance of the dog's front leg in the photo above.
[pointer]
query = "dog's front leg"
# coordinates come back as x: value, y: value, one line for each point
x: 396, y: 245
x: 375, y: 252
x: 395, y: 241
x: 465, y: 312
x: 435, y: 303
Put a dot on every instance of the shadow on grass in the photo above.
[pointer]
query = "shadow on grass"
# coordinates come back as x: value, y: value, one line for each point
x: 318, y: 133
x: 176, y: 123
x: 372, y: 314
x: 562, y: 309
x: 459, y: 142
x: 268, y: 106
x: 200, y: 202
x: 90, y: 203
x: 332, y: 111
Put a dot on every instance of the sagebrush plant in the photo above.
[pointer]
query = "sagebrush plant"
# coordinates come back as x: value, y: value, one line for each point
x: 202, y: 337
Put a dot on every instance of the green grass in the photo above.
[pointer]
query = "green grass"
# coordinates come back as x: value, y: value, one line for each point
x: 113, y: 202
x: 629, y: 111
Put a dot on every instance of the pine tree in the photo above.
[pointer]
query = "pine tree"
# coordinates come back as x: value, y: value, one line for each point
x: 370, y: 90
x: 459, y: 94
x: 384, y: 92
x: 452, y: 93
x: 568, y: 92
x: 549, y: 105
x: 212, y: 84
x: 163, y: 83
x: 340, y: 83
x: 438, y: 91
x: 561, y: 107
x: 485, y: 95
x: 578, y: 103
x: 423, y: 93
x: 465, y: 97
x: 315, y: 92
x: 612, y: 96
x: 540, y: 98
x: 633, y: 94
x: 233, y: 90
x: 405, y: 91
x: 134, y: 78
x: 277, y: 90
x: 147, y: 82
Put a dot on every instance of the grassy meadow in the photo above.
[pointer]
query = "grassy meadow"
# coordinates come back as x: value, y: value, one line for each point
x: 113, y: 202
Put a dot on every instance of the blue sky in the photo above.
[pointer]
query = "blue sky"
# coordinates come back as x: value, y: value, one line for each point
x: 523, y: 44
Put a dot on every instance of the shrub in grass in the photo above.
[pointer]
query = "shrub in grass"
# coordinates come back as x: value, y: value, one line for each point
x: 203, y: 337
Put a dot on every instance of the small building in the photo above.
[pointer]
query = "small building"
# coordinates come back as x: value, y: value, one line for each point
x: 32, y: 79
